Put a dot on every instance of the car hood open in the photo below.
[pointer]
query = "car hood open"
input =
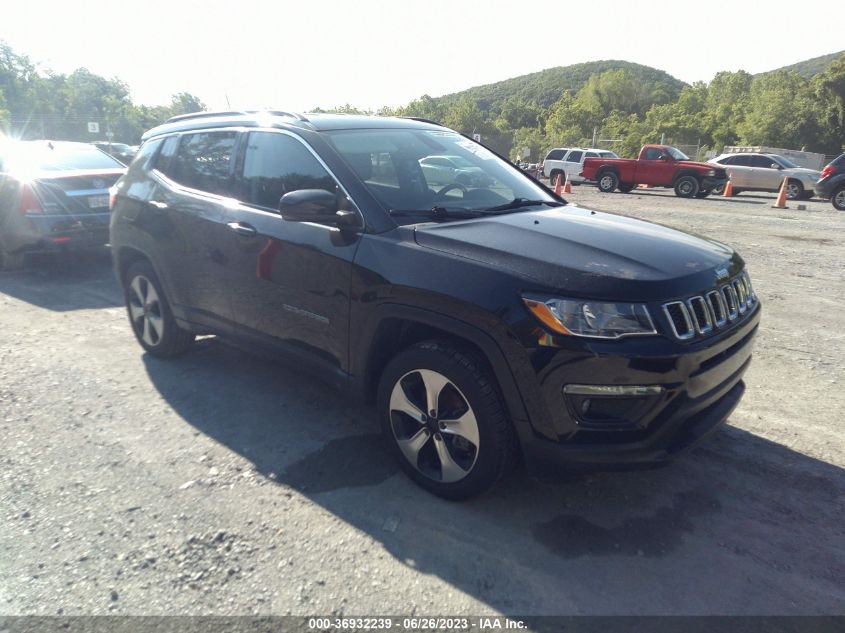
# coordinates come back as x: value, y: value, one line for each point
x: 588, y: 253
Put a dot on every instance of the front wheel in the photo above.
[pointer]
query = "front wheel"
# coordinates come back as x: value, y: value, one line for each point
x: 444, y: 420
x: 150, y: 315
x: 686, y: 187
x: 838, y: 199
x: 608, y: 181
x: 719, y: 190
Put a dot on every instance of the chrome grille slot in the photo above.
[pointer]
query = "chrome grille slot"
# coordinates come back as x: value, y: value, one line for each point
x: 679, y: 319
x: 717, y: 307
x: 712, y: 310
x: 741, y: 297
x: 700, y: 313
x: 730, y: 300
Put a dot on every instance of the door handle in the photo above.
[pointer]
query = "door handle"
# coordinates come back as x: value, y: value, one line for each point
x: 161, y: 206
x: 242, y: 229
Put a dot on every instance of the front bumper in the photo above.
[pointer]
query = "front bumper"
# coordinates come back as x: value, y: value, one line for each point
x: 710, y: 183
x: 700, y: 385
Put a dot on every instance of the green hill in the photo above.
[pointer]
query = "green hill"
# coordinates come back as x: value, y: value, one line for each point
x: 546, y: 86
x: 809, y: 68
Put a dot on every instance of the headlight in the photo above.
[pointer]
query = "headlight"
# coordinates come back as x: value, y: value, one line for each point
x: 593, y: 319
x: 711, y: 173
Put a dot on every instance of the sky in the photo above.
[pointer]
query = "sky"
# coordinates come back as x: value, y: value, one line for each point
x: 371, y: 53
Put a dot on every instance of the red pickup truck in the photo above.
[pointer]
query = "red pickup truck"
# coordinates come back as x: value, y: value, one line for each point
x: 657, y: 166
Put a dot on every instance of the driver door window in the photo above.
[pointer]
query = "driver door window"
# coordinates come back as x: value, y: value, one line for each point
x: 276, y: 164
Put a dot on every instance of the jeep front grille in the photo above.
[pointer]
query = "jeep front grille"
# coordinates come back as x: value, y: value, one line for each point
x: 702, y: 314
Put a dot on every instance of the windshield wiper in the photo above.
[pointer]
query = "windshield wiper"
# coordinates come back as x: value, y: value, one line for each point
x: 438, y: 213
x: 518, y: 203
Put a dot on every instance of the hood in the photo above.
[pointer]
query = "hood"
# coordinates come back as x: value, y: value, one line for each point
x: 579, y: 252
x: 697, y: 165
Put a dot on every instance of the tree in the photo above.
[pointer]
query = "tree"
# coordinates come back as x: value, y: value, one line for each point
x: 185, y: 103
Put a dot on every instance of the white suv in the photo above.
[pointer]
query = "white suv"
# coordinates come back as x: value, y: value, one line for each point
x: 569, y: 161
x: 765, y: 172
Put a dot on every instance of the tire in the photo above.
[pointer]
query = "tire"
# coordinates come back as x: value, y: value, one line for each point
x: 149, y: 313
x: 479, y: 450
x: 608, y: 181
x: 703, y: 193
x: 686, y: 187
x: 794, y: 189
x: 626, y: 188
x: 837, y: 199
x: 554, y: 176
x: 719, y: 190
x: 9, y: 261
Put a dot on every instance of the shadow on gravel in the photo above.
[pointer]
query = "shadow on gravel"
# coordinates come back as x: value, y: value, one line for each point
x: 740, y: 525
x: 65, y: 281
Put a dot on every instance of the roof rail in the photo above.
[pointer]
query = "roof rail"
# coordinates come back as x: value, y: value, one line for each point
x: 200, y: 115
x: 422, y: 120
x: 293, y: 115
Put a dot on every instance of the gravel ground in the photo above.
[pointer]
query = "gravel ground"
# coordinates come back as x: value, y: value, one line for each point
x: 221, y: 483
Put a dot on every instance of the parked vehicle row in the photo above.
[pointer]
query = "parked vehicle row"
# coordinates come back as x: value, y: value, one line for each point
x: 656, y: 166
x: 489, y: 320
x: 121, y: 151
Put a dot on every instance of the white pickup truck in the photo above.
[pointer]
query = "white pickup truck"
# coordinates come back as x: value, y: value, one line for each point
x: 569, y: 160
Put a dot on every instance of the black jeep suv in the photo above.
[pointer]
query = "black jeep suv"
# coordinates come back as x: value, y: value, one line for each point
x: 488, y: 321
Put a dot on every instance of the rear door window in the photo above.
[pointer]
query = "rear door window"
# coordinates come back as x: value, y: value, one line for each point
x: 742, y: 161
x: 574, y: 156
x: 201, y: 161
x: 276, y: 164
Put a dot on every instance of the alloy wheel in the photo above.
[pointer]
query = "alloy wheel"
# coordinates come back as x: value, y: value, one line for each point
x: 145, y: 311
x: 793, y: 191
x: 434, y: 425
x: 839, y: 199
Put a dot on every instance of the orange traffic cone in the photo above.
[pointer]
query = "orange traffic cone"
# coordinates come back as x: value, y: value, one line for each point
x: 781, y: 201
x: 567, y: 186
x: 557, y: 185
x: 729, y: 190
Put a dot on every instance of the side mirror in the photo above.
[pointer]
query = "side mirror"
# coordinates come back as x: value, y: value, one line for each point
x: 316, y: 205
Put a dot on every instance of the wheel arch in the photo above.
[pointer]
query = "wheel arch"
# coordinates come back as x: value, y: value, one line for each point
x: 686, y: 172
x: 396, y: 327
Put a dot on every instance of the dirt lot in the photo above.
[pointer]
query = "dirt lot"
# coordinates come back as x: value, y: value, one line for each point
x: 221, y: 483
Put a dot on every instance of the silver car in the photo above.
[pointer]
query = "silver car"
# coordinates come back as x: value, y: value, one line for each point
x: 765, y: 172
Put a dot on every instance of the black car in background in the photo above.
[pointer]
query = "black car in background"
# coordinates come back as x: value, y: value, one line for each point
x: 121, y: 151
x: 488, y: 320
x: 53, y: 195
x: 832, y: 183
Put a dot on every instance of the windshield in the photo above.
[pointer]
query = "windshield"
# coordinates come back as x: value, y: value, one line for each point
x: 409, y: 170
x: 61, y: 157
x: 677, y: 154
x: 784, y: 162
